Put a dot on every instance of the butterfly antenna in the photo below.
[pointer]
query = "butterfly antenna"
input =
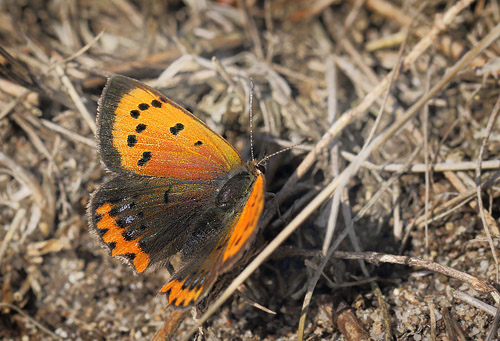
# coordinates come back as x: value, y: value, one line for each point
x: 267, y: 157
x: 251, y: 118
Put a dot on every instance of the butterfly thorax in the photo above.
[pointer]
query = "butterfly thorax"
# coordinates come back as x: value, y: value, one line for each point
x: 233, y: 190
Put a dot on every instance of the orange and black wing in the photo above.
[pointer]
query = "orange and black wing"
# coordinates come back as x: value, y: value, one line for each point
x: 142, y: 132
x: 145, y: 220
x: 193, y: 281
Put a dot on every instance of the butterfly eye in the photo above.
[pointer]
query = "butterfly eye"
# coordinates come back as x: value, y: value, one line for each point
x: 261, y: 168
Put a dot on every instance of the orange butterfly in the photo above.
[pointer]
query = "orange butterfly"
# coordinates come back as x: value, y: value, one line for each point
x: 177, y: 187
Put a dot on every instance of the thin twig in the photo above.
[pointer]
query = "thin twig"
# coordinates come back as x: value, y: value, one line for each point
x: 68, y: 133
x: 425, y: 128
x: 475, y: 302
x: 31, y: 319
x: 332, y: 115
x: 376, y: 258
x: 493, y: 333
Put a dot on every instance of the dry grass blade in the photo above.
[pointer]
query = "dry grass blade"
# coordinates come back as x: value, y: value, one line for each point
x: 89, y: 119
x: 11, y: 105
x: 421, y: 168
x: 425, y: 134
x: 69, y: 134
x: 332, y: 115
x: 16, y: 223
x: 492, y: 335
x: 255, y: 304
x: 432, y: 313
x: 453, y: 329
x: 169, y: 328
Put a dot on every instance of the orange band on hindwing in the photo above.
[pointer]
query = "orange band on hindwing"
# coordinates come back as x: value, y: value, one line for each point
x: 181, y: 294
x: 112, y: 235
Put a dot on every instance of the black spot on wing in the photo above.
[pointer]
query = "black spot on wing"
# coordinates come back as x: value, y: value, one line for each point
x: 135, y: 113
x: 114, y: 211
x: 122, y: 223
x: 97, y: 217
x: 167, y: 293
x: 146, y: 156
x: 177, y: 128
x: 111, y: 245
x: 140, y: 128
x: 156, y: 103
x: 131, y: 140
x: 143, y: 106
x: 198, y: 143
x: 101, y: 232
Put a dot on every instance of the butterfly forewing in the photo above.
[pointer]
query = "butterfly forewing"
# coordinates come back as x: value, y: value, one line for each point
x: 143, y: 132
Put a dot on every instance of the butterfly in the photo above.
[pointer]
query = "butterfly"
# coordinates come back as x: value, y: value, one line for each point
x: 177, y: 187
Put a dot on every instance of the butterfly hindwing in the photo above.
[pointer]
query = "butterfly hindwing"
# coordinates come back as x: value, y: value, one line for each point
x: 143, y: 132
x: 146, y: 220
